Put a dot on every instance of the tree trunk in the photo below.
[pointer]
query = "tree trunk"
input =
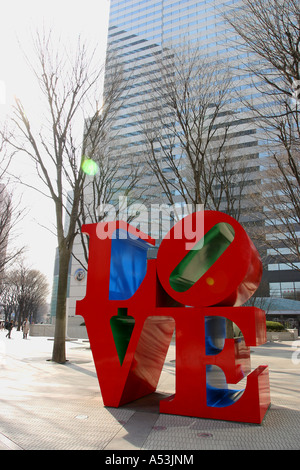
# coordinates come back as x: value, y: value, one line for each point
x: 59, y: 349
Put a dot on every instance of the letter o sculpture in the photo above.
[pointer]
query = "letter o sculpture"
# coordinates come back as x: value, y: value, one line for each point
x: 207, y: 259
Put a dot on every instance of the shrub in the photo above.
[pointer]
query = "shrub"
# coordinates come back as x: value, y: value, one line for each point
x: 274, y: 326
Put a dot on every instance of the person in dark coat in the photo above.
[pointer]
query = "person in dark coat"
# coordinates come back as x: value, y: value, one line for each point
x: 9, y: 327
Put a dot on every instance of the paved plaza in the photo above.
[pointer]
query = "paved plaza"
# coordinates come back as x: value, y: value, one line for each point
x: 48, y: 406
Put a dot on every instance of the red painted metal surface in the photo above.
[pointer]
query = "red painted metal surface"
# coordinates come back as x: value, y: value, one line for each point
x: 187, y: 290
x: 230, y: 281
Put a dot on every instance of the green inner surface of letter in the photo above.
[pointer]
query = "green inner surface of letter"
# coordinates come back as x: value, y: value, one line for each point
x: 122, y: 326
x: 203, y: 255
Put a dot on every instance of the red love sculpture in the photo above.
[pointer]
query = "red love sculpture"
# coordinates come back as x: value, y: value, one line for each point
x: 206, y: 269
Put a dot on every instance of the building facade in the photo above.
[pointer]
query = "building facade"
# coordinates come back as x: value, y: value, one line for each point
x: 147, y: 39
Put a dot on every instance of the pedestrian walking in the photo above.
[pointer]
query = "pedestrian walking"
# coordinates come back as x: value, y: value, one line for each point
x: 25, y: 328
x: 9, y: 327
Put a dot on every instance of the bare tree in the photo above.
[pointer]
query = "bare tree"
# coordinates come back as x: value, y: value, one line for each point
x: 109, y: 175
x: 5, y: 225
x: 190, y: 133
x: 281, y: 201
x: 10, y: 215
x: 24, y: 291
x: 270, y: 31
x: 65, y: 140
x: 104, y: 189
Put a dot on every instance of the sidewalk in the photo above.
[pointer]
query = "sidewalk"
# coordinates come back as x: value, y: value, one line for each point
x: 48, y: 406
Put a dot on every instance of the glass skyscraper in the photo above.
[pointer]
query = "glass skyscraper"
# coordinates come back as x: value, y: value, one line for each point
x: 140, y: 32
x: 142, y: 35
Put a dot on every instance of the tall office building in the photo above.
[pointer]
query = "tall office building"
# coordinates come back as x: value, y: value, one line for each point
x: 147, y: 39
x: 143, y: 35
x: 164, y: 47
x: 153, y: 41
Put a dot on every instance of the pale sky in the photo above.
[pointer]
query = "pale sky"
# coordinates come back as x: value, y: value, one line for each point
x: 19, y: 19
